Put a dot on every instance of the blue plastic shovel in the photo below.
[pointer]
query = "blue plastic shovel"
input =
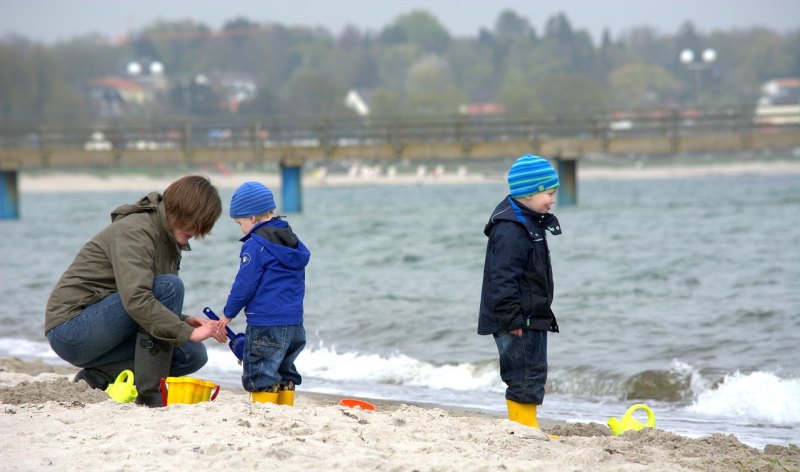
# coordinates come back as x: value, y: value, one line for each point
x: 236, y: 340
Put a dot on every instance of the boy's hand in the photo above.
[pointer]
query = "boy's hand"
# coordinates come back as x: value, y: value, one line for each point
x: 517, y: 332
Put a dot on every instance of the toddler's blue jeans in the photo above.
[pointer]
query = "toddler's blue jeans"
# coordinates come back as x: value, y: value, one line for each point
x: 269, y: 355
x: 105, y: 334
x: 523, y: 364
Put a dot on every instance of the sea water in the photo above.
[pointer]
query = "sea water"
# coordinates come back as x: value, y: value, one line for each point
x: 683, y: 294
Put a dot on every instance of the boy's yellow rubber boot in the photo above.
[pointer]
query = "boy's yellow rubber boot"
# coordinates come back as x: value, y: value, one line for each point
x: 264, y: 397
x: 524, y: 413
x: 286, y: 393
x: 286, y: 397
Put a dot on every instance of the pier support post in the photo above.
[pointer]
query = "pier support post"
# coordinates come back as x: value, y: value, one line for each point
x: 291, y: 185
x: 9, y: 195
x: 567, y: 168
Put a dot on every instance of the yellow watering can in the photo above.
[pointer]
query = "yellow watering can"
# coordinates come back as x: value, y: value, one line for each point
x: 123, y: 390
x: 628, y: 422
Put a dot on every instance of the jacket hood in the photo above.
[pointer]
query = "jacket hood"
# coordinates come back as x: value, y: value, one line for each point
x: 147, y: 203
x: 153, y: 202
x: 277, y: 237
x: 508, y: 210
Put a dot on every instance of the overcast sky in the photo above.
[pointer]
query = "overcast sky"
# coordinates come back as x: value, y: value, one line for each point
x: 52, y: 20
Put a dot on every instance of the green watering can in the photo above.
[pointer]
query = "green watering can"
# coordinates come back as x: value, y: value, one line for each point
x: 628, y: 422
x: 123, y: 390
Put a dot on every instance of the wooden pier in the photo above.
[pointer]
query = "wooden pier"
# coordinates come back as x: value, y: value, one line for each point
x: 293, y: 142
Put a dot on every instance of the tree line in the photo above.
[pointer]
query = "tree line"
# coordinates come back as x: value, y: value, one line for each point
x: 411, y: 66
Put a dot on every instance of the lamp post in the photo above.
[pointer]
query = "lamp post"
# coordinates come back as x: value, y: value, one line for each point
x: 135, y: 69
x: 698, y: 65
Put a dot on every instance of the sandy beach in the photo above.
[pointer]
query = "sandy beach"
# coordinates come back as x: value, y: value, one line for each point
x: 86, y: 181
x: 49, y: 422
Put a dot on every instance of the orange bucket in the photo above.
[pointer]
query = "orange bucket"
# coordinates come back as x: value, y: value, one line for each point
x: 187, y: 390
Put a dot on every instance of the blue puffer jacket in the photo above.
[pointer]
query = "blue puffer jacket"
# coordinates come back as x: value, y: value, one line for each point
x: 270, y: 285
x: 517, y: 275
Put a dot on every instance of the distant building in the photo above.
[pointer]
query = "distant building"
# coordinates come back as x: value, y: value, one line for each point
x: 780, y: 92
x: 233, y: 88
x: 483, y: 109
x: 113, y: 96
x: 779, y: 103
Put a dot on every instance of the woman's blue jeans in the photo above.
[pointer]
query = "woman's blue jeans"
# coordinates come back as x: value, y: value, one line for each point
x: 105, y: 334
x: 269, y: 355
x: 523, y: 364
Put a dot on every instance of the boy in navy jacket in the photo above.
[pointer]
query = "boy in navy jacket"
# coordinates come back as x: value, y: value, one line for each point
x: 270, y: 287
x: 518, y: 284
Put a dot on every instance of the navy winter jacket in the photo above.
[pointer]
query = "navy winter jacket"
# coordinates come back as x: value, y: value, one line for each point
x: 270, y: 285
x: 517, y: 275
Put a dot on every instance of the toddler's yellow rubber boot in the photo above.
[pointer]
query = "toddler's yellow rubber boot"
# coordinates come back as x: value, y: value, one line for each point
x: 286, y: 393
x: 286, y: 397
x: 524, y: 413
x: 264, y: 397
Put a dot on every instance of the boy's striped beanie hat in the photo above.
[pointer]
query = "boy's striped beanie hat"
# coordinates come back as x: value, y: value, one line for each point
x: 531, y: 174
x: 251, y: 199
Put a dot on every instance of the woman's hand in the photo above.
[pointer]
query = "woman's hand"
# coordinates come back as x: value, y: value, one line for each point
x: 196, y: 322
x: 204, y: 329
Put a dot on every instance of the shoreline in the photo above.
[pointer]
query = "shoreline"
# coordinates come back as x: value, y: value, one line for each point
x: 83, y: 180
x: 48, y: 420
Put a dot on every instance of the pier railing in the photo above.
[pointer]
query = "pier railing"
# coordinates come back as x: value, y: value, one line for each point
x: 292, y: 142
x: 253, y: 140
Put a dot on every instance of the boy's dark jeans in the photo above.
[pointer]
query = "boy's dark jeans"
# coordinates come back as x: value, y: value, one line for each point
x: 523, y: 364
x: 269, y: 355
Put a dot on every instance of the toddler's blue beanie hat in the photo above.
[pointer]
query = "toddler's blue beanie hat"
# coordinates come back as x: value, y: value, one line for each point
x: 251, y: 199
x: 531, y: 174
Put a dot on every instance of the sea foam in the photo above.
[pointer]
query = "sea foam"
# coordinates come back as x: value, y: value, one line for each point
x: 759, y: 396
x: 399, y: 369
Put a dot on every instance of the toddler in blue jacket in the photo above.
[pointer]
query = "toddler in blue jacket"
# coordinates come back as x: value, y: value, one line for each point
x: 270, y: 287
x: 517, y: 289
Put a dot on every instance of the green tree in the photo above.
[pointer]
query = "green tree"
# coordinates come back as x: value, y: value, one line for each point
x: 420, y: 28
x: 194, y: 97
x: 393, y: 64
x: 239, y: 29
x: 510, y: 27
x: 767, y: 59
x: 386, y: 102
x: 17, y: 87
x: 312, y: 91
x: 571, y: 93
x: 516, y: 93
x: 473, y: 69
x: 430, y: 87
x: 265, y: 103
x: 641, y: 85
x: 32, y: 86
